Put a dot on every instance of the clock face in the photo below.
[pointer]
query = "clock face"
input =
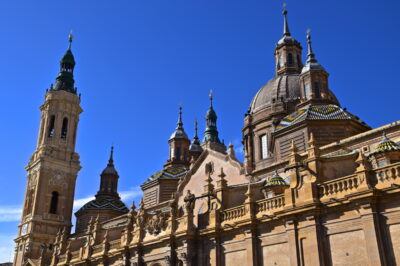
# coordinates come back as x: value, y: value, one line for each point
x: 24, y: 229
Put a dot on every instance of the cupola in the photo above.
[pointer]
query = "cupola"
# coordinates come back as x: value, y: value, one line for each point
x: 314, y: 80
x: 288, y: 52
x: 386, y: 152
x: 178, y: 145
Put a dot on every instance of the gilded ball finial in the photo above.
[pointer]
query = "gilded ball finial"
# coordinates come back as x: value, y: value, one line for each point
x: 308, y: 34
x: 70, y: 36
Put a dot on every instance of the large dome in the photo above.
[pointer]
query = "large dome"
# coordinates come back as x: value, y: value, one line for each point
x: 286, y: 87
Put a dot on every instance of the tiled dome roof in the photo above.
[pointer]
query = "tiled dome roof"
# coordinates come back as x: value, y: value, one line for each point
x: 105, y: 203
x: 386, y: 145
x: 275, y: 181
x: 317, y: 112
x: 168, y: 173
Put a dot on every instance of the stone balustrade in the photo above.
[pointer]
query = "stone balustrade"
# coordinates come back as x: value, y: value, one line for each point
x: 339, y: 187
x: 233, y: 213
x: 270, y: 204
x: 387, y: 175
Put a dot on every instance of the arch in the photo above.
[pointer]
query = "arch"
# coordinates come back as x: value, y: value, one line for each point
x: 290, y: 59
x: 64, y: 128
x: 317, y: 90
x: 178, y: 153
x: 51, y: 126
x: 54, y: 202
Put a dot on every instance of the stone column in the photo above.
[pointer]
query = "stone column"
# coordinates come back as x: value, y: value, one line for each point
x: 291, y: 232
x: 372, y: 234
x: 313, y: 252
x: 251, y: 247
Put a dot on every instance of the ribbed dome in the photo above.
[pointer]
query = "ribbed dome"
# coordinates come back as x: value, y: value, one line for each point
x: 286, y: 86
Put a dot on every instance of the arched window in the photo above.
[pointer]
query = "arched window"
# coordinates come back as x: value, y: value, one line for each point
x: 281, y: 61
x: 290, y: 59
x: 54, y: 202
x: 178, y: 154
x: 75, y: 128
x: 51, y: 126
x: 64, y: 128
x: 263, y: 147
x: 317, y: 90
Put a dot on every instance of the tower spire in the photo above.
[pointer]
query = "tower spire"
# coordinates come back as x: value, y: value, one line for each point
x: 111, y: 160
x: 109, y: 178
x: 286, y: 31
x: 196, y: 137
x: 65, y: 79
x: 179, y: 131
x: 310, y: 55
x: 287, y: 51
x: 180, y: 123
x: 211, y: 132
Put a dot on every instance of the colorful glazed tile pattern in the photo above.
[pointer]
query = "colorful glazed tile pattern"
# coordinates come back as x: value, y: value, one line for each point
x: 105, y: 204
x: 276, y: 181
x: 316, y: 112
x: 169, y: 173
x: 386, y: 145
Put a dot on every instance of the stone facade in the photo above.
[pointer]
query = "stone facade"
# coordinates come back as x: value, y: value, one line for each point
x: 317, y: 187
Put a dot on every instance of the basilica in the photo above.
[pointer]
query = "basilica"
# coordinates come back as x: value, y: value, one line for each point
x: 317, y: 186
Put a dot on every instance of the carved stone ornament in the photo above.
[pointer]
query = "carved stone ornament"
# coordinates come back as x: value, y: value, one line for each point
x: 156, y: 223
x: 209, y: 168
x: 58, y: 178
x: 189, y: 201
x: 32, y: 179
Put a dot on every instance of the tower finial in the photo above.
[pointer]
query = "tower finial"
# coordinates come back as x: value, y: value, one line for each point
x: 286, y: 31
x: 196, y: 137
x: 70, y: 37
x: 111, y: 160
x: 211, y: 98
x: 180, y: 123
x: 310, y: 54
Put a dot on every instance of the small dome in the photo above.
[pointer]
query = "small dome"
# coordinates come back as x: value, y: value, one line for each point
x: 285, y: 87
x: 386, y: 145
x: 105, y: 203
x: 211, y: 113
x: 109, y: 170
x: 275, y: 181
x: 309, y: 66
x: 68, y: 58
x: 288, y: 40
x: 179, y: 133
x: 195, y: 147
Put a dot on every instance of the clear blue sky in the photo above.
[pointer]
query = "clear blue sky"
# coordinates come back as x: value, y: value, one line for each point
x: 137, y: 60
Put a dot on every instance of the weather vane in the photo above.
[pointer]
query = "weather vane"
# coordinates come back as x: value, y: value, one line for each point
x: 284, y: 5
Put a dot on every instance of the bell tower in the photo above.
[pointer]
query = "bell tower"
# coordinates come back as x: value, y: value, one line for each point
x: 52, y: 170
